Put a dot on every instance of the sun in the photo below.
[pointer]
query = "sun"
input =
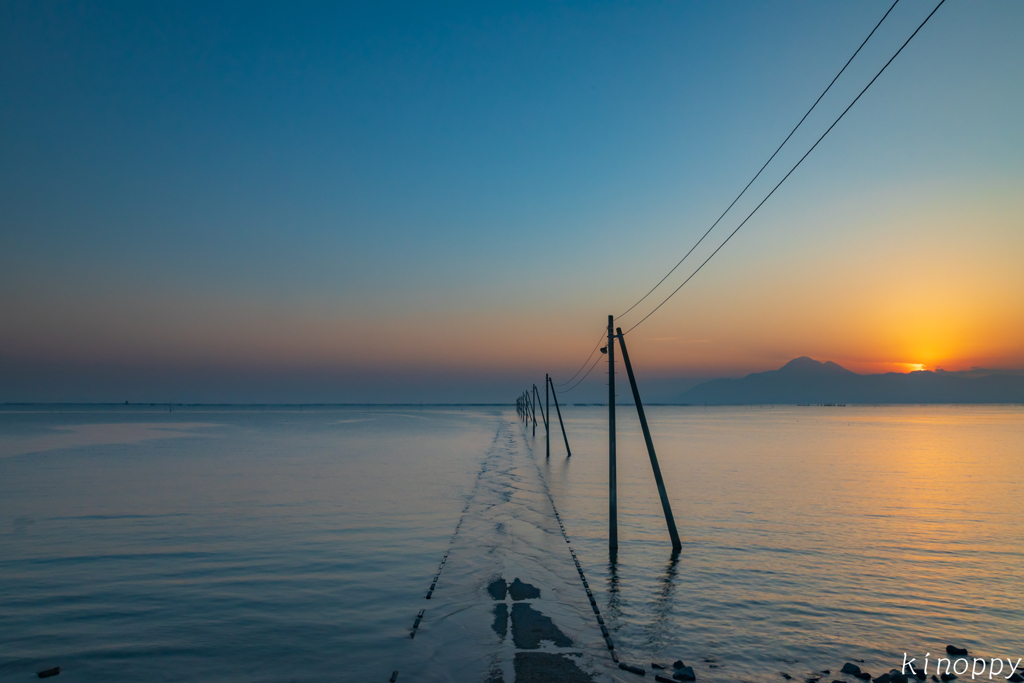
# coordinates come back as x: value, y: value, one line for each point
x: 914, y: 367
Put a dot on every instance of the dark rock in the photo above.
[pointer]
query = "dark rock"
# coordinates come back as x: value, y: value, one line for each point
x: 935, y: 678
x: 835, y: 681
x: 497, y: 588
x: 884, y: 678
x: 632, y: 669
x: 851, y: 669
x: 825, y: 671
x: 956, y: 651
x: 394, y: 677
x: 685, y: 673
x: 49, y: 672
x: 655, y: 665
x: 920, y: 675
x: 678, y: 664
x: 663, y: 679
x: 947, y: 677
x: 785, y: 675
x: 863, y: 675
x: 896, y: 677
x: 523, y: 591
x: 1015, y: 678
x: 813, y: 679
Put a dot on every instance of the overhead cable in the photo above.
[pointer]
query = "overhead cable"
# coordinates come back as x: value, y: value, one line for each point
x: 941, y: 2
x: 756, y: 175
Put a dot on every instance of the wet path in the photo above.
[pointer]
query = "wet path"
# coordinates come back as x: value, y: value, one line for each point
x: 508, y: 603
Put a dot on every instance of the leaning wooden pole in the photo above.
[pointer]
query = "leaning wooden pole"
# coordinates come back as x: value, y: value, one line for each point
x: 613, y: 504
x: 669, y: 519
x: 536, y: 398
x: 533, y: 409
x: 543, y: 416
x: 547, y: 416
x: 559, y: 411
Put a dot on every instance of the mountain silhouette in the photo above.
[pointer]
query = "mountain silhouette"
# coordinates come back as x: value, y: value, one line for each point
x: 804, y: 380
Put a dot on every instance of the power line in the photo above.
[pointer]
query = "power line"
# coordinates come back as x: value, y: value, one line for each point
x: 806, y: 154
x: 596, y: 361
x: 599, y: 339
x: 756, y: 175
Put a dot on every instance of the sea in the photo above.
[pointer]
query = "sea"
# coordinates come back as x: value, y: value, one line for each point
x: 301, y: 543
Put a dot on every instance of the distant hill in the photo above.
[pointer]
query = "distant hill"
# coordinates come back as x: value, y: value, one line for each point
x: 804, y: 380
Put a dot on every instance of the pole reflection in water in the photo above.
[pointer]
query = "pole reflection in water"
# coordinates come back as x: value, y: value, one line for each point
x: 662, y: 609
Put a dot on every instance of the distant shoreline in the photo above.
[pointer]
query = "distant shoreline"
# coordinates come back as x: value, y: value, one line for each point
x: 165, y: 404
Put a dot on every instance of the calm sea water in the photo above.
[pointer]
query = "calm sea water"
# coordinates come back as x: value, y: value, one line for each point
x: 288, y: 545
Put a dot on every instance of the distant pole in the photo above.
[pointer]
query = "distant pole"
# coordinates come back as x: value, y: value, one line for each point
x: 669, y: 519
x: 533, y: 401
x: 559, y: 411
x: 613, y: 512
x: 547, y: 416
x: 543, y: 413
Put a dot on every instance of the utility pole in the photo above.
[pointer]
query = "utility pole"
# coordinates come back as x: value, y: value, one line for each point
x: 613, y: 512
x: 665, y: 506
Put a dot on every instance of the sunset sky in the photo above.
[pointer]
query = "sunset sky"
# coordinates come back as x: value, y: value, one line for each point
x: 310, y: 202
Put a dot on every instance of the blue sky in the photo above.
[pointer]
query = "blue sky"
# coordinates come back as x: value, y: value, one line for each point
x: 269, y: 193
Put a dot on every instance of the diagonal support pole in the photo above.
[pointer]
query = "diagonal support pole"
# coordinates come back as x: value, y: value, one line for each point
x: 676, y: 545
x: 547, y: 416
x: 559, y: 411
x: 533, y: 409
x: 544, y: 415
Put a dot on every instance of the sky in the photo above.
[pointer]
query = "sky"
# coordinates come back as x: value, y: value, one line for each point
x: 442, y: 202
